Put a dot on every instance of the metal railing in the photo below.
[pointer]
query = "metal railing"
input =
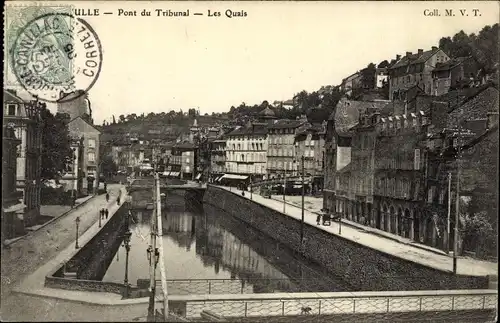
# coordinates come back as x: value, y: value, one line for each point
x: 412, y: 306
x: 259, y: 285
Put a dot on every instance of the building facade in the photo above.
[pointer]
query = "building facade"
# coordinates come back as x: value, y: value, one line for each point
x: 25, y: 118
x: 310, y: 143
x: 12, y: 199
x: 281, y: 155
x: 217, y: 158
x: 454, y: 73
x: 81, y: 128
x: 246, y: 150
x: 414, y: 70
x: 73, y: 175
x: 183, y: 160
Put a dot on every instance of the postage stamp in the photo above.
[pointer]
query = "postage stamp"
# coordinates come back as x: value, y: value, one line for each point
x: 51, y: 52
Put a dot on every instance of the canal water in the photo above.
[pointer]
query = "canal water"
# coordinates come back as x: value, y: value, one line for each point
x: 210, y: 252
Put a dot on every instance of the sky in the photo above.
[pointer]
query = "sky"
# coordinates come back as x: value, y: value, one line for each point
x: 155, y: 64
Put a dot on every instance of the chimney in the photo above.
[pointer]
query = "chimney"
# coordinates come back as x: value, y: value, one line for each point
x: 492, y: 120
x: 420, y: 51
x: 434, y: 48
x: 398, y: 57
x: 408, y: 54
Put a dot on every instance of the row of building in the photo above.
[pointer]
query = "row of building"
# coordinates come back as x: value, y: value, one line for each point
x: 388, y: 162
x: 23, y: 129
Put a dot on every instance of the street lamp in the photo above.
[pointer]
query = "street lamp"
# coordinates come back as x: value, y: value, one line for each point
x: 126, y: 244
x: 77, y: 221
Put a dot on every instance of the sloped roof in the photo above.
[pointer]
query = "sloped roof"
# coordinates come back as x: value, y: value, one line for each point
x: 415, y: 58
x: 267, y: 112
x: 284, y: 123
x: 71, y: 95
x: 83, y: 119
x: 254, y: 129
x: 9, y: 96
x: 346, y: 169
x: 346, y: 115
x: 450, y: 64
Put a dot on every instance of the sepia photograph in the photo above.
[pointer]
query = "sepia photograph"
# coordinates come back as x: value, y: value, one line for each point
x: 250, y: 161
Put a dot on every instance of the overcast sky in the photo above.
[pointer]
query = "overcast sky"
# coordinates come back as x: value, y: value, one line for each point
x: 280, y: 48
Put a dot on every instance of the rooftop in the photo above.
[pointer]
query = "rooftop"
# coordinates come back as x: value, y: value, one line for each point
x: 450, y: 64
x: 285, y: 123
x: 415, y: 58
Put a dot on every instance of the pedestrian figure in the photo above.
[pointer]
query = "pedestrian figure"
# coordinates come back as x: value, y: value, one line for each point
x: 118, y: 200
x: 106, y: 212
x: 101, y: 213
x: 105, y: 186
x: 73, y: 202
x: 107, y: 196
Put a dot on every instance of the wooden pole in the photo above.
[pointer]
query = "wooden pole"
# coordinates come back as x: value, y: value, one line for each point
x: 163, y: 271
x: 152, y: 272
x: 449, y: 215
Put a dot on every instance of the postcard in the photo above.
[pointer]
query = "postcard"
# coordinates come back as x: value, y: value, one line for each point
x: 250, y: 161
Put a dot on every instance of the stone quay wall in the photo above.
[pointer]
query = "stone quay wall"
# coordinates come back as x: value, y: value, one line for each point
x: 365, y: 268
x: 91, y: 261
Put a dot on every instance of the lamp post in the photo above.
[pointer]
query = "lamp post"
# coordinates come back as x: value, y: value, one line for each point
x: 100, y: 217
x: 126, y: 244
x: 77, y: 221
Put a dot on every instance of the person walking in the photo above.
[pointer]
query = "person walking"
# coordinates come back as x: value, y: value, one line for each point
x: 106, y: 212
x: 101, y: 213
x: 118, y: 200
x: 107, y: 196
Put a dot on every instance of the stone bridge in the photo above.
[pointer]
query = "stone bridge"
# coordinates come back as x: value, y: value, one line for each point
x: 141, y: 191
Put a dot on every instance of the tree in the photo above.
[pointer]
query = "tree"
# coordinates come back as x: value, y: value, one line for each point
x: 121, y: 118
x: 192, y: 113
x: 114, y: 120
x: 56, y: 144
x: 108, y: 165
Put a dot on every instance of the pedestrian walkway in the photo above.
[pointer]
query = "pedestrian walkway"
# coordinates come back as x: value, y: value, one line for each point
x: 465, y: 266
x: 24, y: 256
x: 315, y: 204
x: 29, y: 299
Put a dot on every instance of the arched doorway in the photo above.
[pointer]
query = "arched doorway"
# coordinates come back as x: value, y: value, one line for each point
x: 428, y: 230
x: 369, y: 215
x: 392, y: 219
x: 385, y: 217
x: 399, y: 220
x: 378, y: 218
x: 416, y: 225
x: 407, y: 223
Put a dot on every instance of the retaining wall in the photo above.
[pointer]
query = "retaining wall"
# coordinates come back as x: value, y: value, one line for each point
x: 365, y: 268
x: 91, y: 261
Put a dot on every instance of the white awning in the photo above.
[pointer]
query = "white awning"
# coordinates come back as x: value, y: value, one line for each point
x: 198, y: 176
x: 174, y: 174
x: 233, y: 176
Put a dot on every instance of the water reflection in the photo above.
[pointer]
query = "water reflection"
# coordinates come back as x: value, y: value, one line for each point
x: 210, y: 246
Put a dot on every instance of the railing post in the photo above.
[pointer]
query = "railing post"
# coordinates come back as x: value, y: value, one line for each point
x: 389, y: 302
x: 209, y: 287
x: 282, y: 308
x: 484, y: 301
x: 246, y: 308
x: 420, y: 304
x: 319, y: 308
x: 354, y: 306
x: 452, y: 303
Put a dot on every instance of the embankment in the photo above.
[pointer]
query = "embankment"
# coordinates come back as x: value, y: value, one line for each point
x: 365, y: 268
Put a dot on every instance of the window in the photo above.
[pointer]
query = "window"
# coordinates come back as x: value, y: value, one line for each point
x: 187, y: 169
x: 11, y: 109
x: 91, y: 143
x: 416, y: 163
x: 430, y: 194
x: 441, y: 196
x: 91, y: 156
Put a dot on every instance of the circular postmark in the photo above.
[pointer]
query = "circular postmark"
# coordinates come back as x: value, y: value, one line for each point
x: 57, y: 53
